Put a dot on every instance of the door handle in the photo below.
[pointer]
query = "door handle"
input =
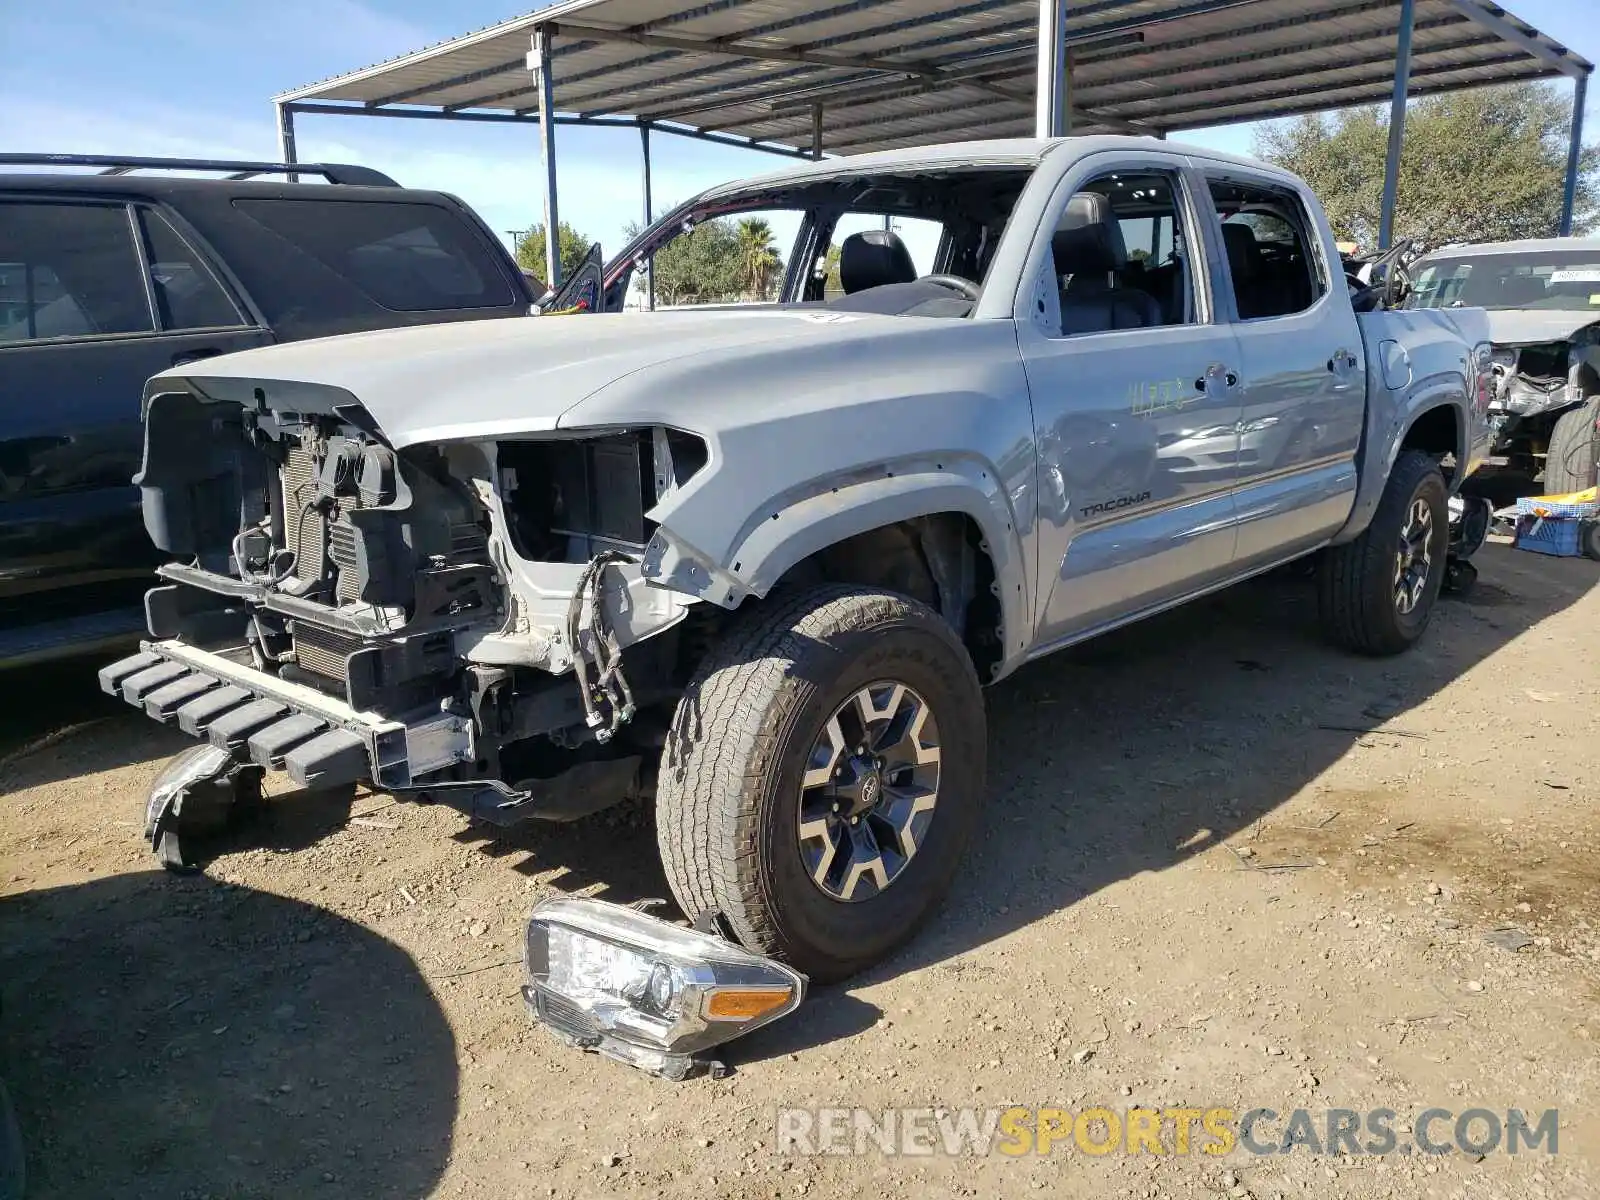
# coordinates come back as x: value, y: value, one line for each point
x: 1203, y: 384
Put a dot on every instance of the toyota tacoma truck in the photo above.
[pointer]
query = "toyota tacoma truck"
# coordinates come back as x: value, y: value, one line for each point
x: 759, y: 561
x: 1543, y: 301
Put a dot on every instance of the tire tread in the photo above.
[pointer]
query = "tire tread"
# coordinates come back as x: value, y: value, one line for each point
x: 727, y: 735
x: 1356, y: 612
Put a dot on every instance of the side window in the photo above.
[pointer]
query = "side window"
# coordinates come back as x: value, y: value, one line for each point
x: 187, y: 295
x: 918, y: 235
x: 69, y: 270
x: 405, y: 256
x: 1121, y: 255
x: 1272, y: 262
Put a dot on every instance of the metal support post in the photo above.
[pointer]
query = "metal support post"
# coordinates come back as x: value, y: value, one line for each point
x: 540, y: 61
x: 1569, y: 195
x: 1051, y: 76
x: 649, y: 215
x: 1397, y: 124
x: 286, y: 147
x: 816, y: 132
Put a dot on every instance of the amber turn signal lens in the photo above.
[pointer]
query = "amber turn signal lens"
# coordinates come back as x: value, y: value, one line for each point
x: 741, y: 1004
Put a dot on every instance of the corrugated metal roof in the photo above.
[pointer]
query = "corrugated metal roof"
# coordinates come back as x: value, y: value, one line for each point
x: 891, y: 73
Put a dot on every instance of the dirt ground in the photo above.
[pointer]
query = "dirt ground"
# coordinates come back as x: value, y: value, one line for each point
x: 1223, y: 866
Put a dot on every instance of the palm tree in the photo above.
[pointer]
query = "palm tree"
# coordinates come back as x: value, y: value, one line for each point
x: 759, y: 262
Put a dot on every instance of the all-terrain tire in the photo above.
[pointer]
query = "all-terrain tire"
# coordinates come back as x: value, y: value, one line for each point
x: 1569, y: 465
x: 1356, y: 585
x: 729, y: 795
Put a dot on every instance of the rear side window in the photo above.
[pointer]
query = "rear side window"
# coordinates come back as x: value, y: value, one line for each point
x: 69, y: 270
x: 187, y: 294
x: 404, y: 256
x: 1272, y: 261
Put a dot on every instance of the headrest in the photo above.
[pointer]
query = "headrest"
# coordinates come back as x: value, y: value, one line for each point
x: 1089, y: 239
x: 1244, y: 252
x: 872, y: 259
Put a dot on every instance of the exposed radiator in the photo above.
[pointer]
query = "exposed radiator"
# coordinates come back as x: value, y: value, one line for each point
x: 323, y: 651
x: 305, y: 528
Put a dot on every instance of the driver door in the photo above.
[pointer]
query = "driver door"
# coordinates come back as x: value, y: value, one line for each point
x: 1133, y: 377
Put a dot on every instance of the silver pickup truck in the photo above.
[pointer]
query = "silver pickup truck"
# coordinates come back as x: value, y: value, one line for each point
x: 759, y: 560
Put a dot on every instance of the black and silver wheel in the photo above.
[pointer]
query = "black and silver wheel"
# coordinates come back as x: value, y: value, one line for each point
x: 870, y: 791
x: 822, y: 777
x: 1413, y: 559
x: 1376, y: 593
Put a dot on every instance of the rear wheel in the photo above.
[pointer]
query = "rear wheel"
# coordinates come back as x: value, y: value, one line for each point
x: 1569, y: 465
x: 823, y: 776
x: 1377, y: 593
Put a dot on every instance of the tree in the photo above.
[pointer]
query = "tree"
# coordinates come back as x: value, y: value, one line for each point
x: 760, y: 264
x: 704, y: 266
x: 1485, y: 165
x: 529, y: 249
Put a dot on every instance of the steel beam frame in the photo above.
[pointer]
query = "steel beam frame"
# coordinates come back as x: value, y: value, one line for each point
x: 1369, y: 92
x: 1182, y: 117
x: 330, y: 109
x: 1554, y: 55
x: 1309, y: 77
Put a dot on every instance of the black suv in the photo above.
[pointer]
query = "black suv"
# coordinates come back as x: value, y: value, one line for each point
x: 108, y: 276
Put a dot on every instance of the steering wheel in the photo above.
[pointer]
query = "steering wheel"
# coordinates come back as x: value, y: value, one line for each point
x: 956, y: 283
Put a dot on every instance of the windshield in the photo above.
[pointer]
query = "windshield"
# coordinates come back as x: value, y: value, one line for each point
x: 855, y: 240
x: 1547, y: 279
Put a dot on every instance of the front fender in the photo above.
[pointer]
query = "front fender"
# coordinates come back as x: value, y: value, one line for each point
x: 785, y: 530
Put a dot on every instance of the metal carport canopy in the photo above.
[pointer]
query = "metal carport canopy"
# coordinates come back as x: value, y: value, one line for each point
x: 806, y: 78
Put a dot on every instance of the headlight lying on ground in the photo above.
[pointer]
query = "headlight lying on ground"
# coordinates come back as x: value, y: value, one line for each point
x: 658, y: 996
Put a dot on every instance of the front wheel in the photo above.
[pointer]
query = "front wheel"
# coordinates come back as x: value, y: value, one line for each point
x: 822, y: 777
x: 1377, y: 593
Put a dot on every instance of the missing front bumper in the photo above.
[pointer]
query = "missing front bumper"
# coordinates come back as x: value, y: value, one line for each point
x: 318, y: 740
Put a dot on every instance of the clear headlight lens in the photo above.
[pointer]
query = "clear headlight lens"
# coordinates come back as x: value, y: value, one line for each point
x: 644, y: 991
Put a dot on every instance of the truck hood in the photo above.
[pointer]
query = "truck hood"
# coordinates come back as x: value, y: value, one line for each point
x: 484, y: 379
x: 1532, y: 327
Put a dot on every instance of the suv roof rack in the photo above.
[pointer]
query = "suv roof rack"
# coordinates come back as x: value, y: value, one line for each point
x: 112, y: 164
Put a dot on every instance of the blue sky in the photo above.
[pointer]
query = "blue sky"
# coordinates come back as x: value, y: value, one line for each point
x: 194, y: 77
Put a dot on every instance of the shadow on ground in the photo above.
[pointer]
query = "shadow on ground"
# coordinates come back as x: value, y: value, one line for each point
x: 183, y: 1038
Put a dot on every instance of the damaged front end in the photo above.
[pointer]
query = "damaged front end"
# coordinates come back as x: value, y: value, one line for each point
x: 443, y: 620
x: 1534, y: 384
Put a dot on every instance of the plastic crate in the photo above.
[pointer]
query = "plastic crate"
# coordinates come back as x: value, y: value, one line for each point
x: 1558, y: 536
x: 1569, y: 504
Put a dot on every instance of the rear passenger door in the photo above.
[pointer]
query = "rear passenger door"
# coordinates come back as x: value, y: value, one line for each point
x: 95, y: 297
x: 1302, y: 389
x: 1130, y: 373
